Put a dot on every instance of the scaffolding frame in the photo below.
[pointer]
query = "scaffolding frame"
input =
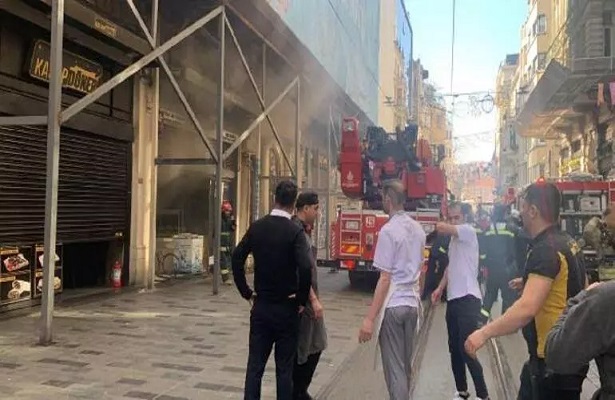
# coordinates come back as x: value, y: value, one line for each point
x: 56, y: 116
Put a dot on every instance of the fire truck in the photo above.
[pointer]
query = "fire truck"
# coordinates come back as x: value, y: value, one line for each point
x: 585, y: 197
x: 364, y: 165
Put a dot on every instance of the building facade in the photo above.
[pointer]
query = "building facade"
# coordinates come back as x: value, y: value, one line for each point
x: 135, y: 172
x: 395, y: 65
x: 507, y: 152
x: 570, y: 100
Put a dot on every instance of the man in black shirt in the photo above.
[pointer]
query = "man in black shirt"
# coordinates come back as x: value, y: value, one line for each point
x: 282, y: 281
x: 554, y: 272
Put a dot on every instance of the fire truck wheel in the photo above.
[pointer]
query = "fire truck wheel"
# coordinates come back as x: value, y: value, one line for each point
x: 356, y: 279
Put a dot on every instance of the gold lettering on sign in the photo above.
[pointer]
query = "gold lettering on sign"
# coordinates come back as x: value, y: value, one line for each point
x: 78, y: 73
x: 106, y: 27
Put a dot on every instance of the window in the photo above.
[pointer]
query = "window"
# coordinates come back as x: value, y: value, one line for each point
x: 564, y: 153
x: 541, y: 61
x: 609, y: 42
x: 575, y: 146
x: 540, y: 26
x: 541, y: 170
x: 609, y: 33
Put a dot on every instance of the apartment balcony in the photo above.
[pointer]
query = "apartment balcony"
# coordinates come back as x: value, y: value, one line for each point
x: 576, y: 62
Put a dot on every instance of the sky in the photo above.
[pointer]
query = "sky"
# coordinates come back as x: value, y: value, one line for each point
x: 485, y: 32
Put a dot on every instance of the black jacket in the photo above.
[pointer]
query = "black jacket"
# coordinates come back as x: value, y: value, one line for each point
x: 586, y: 331
x: 436, y: 264
x: 498, y: 251
x: 282, y: 267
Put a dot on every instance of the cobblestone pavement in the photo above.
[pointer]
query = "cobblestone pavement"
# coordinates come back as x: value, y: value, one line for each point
x: 515, y: 354
x: 178, y: 342
x: 435, y: 379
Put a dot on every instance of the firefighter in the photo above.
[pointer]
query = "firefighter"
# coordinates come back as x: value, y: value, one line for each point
x: 522, y: 240
x: 481, y: 227
x: 498, y: 249
x: 436, y: 264
x: 600, y: 235
x: 227, y: 231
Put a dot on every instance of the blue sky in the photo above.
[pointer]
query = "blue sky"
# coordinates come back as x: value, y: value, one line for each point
x: 486, y: 30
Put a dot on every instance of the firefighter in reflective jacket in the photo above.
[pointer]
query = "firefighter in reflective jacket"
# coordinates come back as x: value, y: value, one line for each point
x: 481, y: 228
x: 436, y: 264
x: 498, y: 256
x: 227, y: 233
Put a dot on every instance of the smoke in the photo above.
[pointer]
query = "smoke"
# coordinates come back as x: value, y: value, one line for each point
x: 195, y: 64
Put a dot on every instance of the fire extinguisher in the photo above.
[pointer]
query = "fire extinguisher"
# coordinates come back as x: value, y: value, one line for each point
x: 116, y: 276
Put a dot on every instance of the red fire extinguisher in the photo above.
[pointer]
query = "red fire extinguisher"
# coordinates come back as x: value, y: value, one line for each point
x: 116, y: 277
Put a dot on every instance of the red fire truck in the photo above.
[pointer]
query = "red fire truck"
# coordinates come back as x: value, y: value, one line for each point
x: 584, y: 196
x: 364, y: 165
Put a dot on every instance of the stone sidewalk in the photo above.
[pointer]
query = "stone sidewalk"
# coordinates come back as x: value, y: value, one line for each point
x: 179, y: 342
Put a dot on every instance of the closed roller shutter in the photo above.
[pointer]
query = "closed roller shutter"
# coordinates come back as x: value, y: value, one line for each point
x: 93, y: 193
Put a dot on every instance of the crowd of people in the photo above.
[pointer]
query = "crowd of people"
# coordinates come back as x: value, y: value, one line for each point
x: 537, y: 268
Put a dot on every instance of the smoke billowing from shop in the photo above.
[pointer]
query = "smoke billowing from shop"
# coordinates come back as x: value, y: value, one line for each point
x: 185, y: 193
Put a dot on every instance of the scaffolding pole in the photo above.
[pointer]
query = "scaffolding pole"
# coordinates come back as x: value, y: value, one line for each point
x: 182, y: 97
x: 151, y: 268
x: 298, y: 175
x: 266, y: 111
x: 53, y: 163
x: 256, y: 206
x: 56, y: 116
x: 328, y: 210
x: 220, y: 160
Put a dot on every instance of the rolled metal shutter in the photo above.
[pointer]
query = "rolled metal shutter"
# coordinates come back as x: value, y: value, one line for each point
x: 94, y: 186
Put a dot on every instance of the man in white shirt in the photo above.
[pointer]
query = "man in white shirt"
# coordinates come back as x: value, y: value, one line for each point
x: 463, y: 297
x: 394, y: 309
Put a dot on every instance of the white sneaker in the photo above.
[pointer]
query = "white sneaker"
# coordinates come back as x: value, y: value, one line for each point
x: 458, y: 396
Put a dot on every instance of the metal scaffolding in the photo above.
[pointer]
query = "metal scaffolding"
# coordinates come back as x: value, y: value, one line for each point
x: 56, y: 117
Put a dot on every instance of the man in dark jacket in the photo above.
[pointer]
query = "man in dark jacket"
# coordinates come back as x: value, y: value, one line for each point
x: 585, y: 332
x: 227, y: 238
x: 312, y: 333
x: 436, y: 264
x: 282, y: 282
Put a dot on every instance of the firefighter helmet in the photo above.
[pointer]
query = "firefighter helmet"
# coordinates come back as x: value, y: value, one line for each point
x: 226, y: 206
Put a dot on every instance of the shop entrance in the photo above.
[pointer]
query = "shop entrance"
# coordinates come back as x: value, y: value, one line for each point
x: 93, y: 210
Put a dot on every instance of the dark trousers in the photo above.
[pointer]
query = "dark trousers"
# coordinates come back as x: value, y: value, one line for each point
x: 272, y: 324
x: 302, y: 376
x: 537, y: 384
x: 432, y: 280
x: 497, y: 282
x: 463, y: 318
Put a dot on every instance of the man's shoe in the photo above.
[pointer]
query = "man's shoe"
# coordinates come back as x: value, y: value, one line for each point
x: 461, y: 396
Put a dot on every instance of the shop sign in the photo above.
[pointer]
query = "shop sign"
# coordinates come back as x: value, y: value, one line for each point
x: 15, y: 274
x: 106, y: 27
x: 169, y: 117
x: 572, y: 164
x: 78, y: 73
